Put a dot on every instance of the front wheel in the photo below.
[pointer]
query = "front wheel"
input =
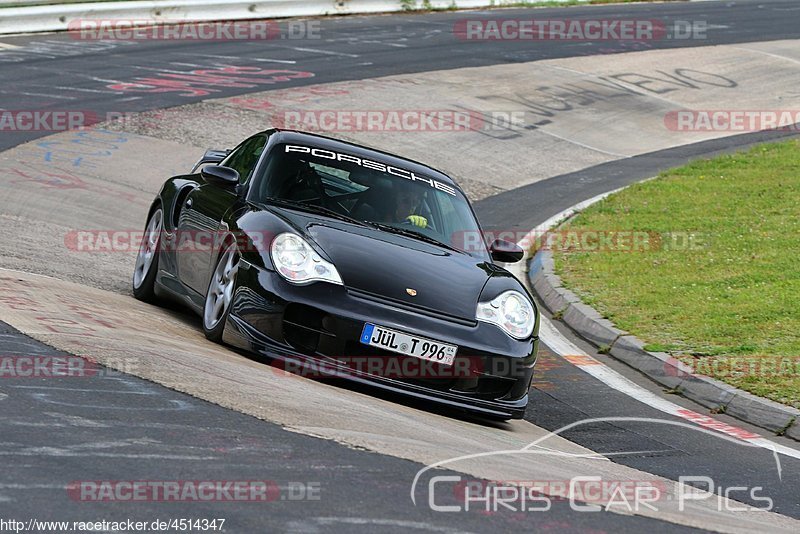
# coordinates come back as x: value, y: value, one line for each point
x: 220, y: 293
x: 144, y: 272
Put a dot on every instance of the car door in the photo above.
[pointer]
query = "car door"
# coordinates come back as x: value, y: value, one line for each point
x: 200, y: 227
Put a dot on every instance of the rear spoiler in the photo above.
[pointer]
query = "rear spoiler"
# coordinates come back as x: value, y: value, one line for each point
x: 212, y: 156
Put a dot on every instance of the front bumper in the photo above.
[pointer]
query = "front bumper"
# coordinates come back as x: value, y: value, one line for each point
x: 316, y: 328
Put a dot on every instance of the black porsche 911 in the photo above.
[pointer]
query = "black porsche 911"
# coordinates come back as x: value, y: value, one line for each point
x: 350, y: 261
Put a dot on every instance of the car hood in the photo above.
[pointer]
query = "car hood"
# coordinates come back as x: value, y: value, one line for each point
x: 398, y: 268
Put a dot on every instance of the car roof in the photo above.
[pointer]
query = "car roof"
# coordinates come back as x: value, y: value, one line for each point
x: 327, y: 143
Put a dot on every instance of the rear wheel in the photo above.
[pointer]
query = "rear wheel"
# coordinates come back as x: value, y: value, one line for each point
x: 220, y: 293
x: 144, y: 272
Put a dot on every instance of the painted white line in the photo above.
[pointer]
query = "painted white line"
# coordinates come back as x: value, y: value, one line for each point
x: 76, y: 420
x: 31, y: 486
x: 584, y: 145
x: 239, y: 58
x: 77, y: 89
x: 519, y: 267
x: 554, y: 339
x: 61, y: 453
x: 396, y: 45
x: 564, y: 347
x: 48, y: 95
x: 158, y: 69
x: 192, y: 65
x: 113, y: 391
x: 762, y: 52
x: 324, y: 52
x: 7, y: 46
x: 269, y: 60
x: 49, y: 72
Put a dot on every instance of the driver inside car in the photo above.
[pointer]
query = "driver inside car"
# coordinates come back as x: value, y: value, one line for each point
x: 399, y: 203
x: 407, y: 203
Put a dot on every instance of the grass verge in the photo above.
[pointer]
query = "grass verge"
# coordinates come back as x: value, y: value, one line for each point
x: 702, y: 263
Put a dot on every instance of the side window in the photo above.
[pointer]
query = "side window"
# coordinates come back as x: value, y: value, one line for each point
x: 245, y: 157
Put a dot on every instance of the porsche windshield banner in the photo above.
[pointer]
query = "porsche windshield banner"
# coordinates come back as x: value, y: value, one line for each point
x: 370, y: 164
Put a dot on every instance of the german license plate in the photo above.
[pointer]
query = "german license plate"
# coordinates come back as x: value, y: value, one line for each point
x: 402, y: 343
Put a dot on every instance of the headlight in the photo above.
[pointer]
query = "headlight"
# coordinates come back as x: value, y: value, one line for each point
x: 297, y: 262
x: 511, y: 311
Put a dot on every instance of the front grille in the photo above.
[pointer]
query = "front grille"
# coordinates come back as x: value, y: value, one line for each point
x: 486, y: 386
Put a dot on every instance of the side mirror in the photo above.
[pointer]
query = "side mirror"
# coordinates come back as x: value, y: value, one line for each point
x: 221, y: 176
x: 505, y: 251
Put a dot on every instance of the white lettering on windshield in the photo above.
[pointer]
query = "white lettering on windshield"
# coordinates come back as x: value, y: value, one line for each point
x: 374, y: 165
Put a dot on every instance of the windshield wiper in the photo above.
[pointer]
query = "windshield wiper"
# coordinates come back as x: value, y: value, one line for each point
x: 313, y: 208
x: 416, y: 235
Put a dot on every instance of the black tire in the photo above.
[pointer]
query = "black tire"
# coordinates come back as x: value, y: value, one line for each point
x: 221, y: 287
x: 144, y: 272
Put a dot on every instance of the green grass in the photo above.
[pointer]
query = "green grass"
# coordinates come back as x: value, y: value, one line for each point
x: 730, y: 304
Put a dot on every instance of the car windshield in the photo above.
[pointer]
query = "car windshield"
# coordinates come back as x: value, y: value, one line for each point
x: 392, y: 199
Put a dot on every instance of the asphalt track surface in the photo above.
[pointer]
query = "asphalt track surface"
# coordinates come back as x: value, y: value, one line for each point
x: 58, y: 72
x: 57, y: 432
